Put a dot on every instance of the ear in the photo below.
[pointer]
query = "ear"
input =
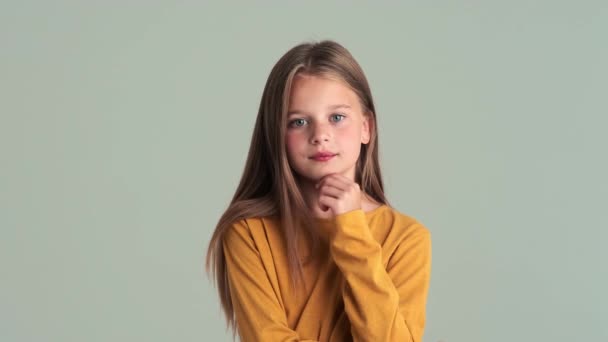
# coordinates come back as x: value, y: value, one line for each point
x: 366, y: 129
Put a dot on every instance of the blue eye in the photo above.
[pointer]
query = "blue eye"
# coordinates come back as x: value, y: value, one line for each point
x: 338, y: 117
x: 297, y: 123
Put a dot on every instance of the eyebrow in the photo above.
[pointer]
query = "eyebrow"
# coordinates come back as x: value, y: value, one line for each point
x: 332, y: 107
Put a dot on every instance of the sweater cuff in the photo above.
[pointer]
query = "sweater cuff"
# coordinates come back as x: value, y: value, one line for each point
x: 351, y: 224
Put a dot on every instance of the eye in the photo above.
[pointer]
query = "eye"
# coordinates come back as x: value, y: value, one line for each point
x: 297, y: 123
x: 337, y: 117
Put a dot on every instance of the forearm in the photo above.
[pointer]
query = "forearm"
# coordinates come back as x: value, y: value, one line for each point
x: 372, y: 302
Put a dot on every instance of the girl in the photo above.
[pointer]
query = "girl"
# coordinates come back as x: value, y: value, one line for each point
x: 309, y: 248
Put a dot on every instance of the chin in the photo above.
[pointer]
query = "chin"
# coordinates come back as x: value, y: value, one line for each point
x: 316, y: 176
x: 312, y: 175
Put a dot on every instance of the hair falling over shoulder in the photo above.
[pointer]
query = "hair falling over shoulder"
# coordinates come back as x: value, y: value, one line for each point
x: 268, y: 186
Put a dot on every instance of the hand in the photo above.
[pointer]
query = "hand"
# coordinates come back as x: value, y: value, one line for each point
x: 339, y: 194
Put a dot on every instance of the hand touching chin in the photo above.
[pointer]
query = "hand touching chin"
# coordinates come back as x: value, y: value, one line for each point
x: 337, y: 194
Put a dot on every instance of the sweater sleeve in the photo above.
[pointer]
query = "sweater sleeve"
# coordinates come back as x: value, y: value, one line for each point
x: 382, y: 304
x: 259, y: 314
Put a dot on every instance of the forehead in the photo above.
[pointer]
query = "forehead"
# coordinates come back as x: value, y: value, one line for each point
x: 315, y: 93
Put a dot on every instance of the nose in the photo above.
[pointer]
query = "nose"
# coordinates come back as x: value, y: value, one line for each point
x: 320, y: 133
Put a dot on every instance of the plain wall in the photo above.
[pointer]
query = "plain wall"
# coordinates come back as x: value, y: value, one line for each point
x: 124, y: 128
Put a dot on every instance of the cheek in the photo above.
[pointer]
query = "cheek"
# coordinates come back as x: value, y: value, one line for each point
x: 292, y: 142
x: 352, y: 135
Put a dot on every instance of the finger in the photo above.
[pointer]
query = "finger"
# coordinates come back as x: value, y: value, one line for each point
x: 331, y: 191
x: 330, y: 184
x: 350, y: 187
x: 342, y: 177
x: 327, y: 202
x: 327, y: 178
x: 348, y: 183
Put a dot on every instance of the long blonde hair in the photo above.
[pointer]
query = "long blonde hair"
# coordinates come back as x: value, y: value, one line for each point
x: 268, y: 186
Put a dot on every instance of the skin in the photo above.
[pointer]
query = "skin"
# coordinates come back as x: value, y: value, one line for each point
x: 315, y: 124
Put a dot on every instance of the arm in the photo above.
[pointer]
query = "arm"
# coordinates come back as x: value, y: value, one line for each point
x: 382, y: 305
x: 259, y: 314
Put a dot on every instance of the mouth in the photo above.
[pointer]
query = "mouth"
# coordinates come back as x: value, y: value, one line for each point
x: 323, y: 156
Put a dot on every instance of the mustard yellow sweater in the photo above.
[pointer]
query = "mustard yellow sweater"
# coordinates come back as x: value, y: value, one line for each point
x: 372, y: 287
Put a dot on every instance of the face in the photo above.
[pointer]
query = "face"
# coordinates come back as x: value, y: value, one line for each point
x: 325, y: 128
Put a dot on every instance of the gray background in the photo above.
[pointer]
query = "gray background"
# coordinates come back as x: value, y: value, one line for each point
x: 125, y: 126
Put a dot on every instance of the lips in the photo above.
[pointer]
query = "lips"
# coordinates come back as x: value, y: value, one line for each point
x: 323, y: 156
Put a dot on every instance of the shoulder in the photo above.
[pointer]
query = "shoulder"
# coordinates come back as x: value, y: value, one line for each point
x: 406, y: 226
x: 239, y: 231
x: 411, y: 241
x: 250, y: 223
x: 248, y: 228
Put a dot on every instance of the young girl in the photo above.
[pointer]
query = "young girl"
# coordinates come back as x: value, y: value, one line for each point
x: 309, y: 248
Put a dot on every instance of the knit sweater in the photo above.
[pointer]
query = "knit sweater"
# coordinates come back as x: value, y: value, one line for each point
x: 372, y: 286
